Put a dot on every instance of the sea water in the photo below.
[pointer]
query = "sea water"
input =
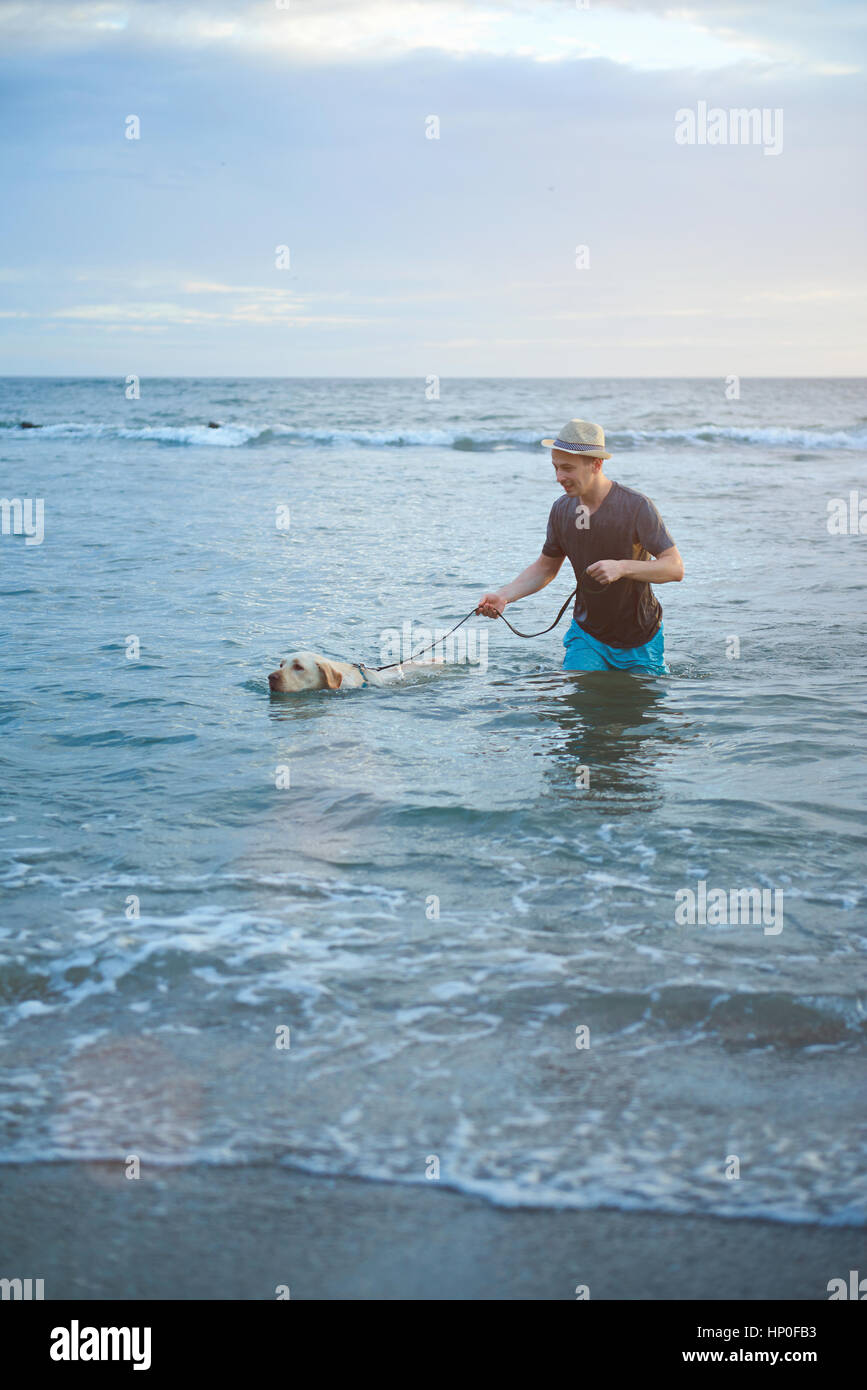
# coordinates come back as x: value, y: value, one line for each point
x: 360, y: 931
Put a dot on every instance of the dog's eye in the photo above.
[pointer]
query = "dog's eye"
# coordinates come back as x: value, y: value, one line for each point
x: 282, y: 664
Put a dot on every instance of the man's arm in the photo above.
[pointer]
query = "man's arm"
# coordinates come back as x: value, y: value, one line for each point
x: 667, y: 568
x: 529, y: 581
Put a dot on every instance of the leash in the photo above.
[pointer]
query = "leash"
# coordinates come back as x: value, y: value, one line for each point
x: 544, y: 629
x: 472, y: 611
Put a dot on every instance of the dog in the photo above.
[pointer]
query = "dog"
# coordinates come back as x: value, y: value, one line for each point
x: 310, y: 671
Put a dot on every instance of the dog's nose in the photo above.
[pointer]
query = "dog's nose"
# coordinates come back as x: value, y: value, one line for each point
x: 272, y: 679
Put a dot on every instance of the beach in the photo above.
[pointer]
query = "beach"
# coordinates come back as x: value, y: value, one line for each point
x: 240, y: 1233
x: 464, y: 923
x: 360, y: 941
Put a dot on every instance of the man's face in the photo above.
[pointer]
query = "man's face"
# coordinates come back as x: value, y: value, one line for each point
x: 574, y: 472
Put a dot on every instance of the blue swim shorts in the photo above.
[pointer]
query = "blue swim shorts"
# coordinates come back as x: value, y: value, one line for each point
x: 586, y: 653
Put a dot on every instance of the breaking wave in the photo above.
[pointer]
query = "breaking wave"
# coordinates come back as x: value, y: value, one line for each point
x: 470, y: 439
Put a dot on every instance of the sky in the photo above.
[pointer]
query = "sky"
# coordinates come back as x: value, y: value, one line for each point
x: 304, y: 124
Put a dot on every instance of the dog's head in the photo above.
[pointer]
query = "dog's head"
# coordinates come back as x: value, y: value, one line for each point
x: 304, y: 671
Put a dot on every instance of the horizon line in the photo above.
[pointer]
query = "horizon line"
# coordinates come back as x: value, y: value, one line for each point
x: 232, y: 376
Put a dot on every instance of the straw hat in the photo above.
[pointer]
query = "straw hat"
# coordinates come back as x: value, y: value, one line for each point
x: 579, y: 437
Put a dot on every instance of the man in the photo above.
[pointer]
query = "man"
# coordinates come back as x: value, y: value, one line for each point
x: 611, y: 535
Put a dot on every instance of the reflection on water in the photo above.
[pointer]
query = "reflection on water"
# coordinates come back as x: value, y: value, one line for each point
x: 615, y: 725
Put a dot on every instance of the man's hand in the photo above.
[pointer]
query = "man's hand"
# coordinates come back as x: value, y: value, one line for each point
x: 606, y: 571
x: 491, y: 606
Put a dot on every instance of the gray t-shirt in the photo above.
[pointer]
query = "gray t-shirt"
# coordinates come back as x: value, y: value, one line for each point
x: 625, y: 526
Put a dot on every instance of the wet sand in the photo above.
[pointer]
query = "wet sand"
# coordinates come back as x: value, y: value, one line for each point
x: 239, y: 1233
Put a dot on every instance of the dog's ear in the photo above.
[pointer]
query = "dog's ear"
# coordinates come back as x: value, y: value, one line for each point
x: 333, y: 677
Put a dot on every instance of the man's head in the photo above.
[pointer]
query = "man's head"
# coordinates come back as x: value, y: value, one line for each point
x: 575, y: 473
x: 577, y: 454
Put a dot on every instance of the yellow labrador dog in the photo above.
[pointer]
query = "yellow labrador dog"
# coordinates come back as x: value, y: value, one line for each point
x: 310, y: 671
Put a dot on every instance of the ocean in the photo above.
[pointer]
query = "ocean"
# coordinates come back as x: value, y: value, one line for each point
x: 398, y: 933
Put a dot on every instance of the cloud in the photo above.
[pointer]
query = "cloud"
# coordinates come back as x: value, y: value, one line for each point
x: 411, y: 255
x: 350, y: 31
x: 148, y: 313
x: 827, y: 38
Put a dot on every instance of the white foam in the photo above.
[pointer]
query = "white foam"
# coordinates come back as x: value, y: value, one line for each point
x: 236, y: 435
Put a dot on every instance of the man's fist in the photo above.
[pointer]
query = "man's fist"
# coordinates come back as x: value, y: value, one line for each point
x: 491, y: 606
x: 606, y: 571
